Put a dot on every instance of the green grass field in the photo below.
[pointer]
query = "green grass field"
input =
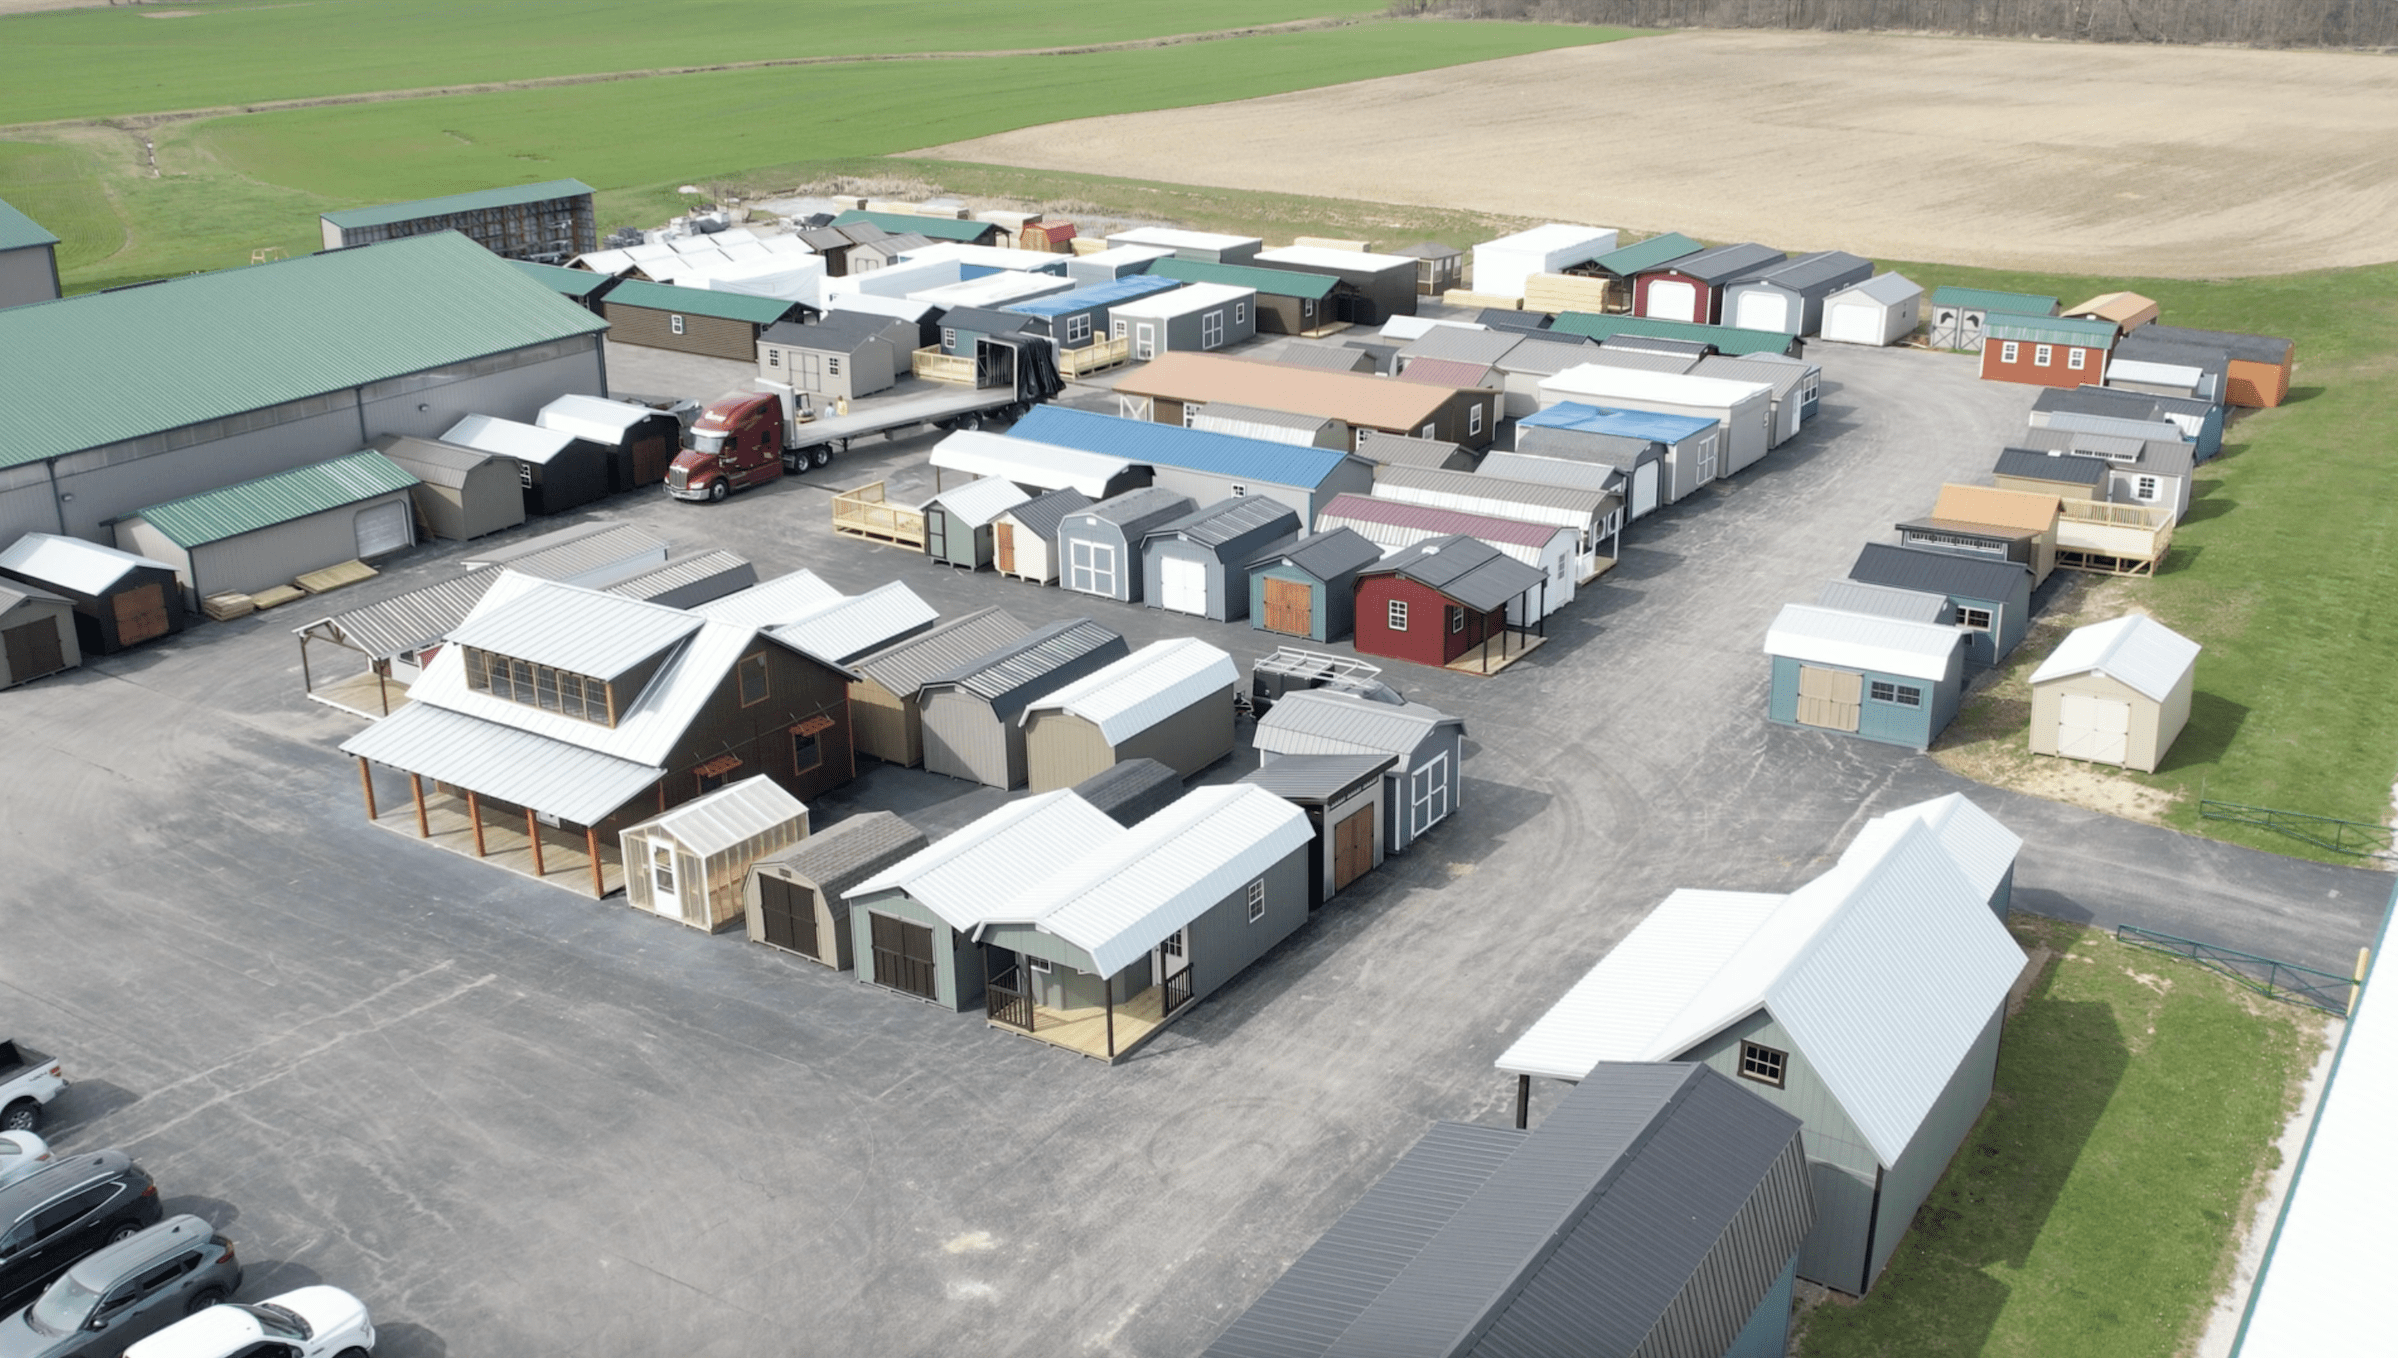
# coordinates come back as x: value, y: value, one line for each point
x: 110, y: 61
x: 2093, y: 1209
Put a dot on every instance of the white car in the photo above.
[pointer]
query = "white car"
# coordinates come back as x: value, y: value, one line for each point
x: 313, y: 1322
x: 21, y: 1153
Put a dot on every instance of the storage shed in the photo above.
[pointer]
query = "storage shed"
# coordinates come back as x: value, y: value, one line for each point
x: 1206, y: 467
x: 37, y: 634
x: 694, y: 320
x: 840, y: 356
x: 2257, y: 367
x: 1438, y: 267
x: 1393, y: 525
x: 1624, y: 263
x: 1308, y: 588
x: 2049, y: 351
x: 1198, y: 564
x: 1270, y: 426
x: 692, y: 864
x: 1502, y: 266
x: 1165, y: 390
x: 964, y: 328
x: 957, y: 522
x: 1419, y: 791
x: 1744, y: 409
x: 2114, y: 692
x: 1874, y: 677
x: 2051, y: 473
x: 1477, y: 346
x: 1789, y: 297
x: 1797, y: 386
x: 1078, y: 319
x: 1883, y: 310
x: 1287, y: 302
x: 1960, y: 316
x: 1131, y: 790
x: 1341, y: 795
x: 1693, y: 287
x: 2126, y: 311
x: 28, y: 259
x: 1963, y: 516
x: 1192, y: 318
x: 1662, y: 458
x: 1035, y: 465
x: 1099, y: 548
x: 1596, y: 517
x: 1117, y: 261
x: 793, y: 899
x: 1993, y: 598
x: 1024, y: 536
x: 120, y: 599
x: 256, y: 534
x: 460, y: 492
x: 1406, y: 450
x: 1170, y: 701
x: 2080, y: 408
x: 1211, y: 246
x: 2152, y: 472
x: 556, y: 470
x: 970, y: 711
x: 1375, y: 287
x: 1449, y: 602
x: 1867, y: 1004
x: 640, y: 440
x: 886, y: 685
x: 1855, y: 596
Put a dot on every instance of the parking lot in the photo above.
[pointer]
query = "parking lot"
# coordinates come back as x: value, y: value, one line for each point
x: 520, y: 1122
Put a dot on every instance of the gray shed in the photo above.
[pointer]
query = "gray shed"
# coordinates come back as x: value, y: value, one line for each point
x: 1419, y: 790
x: 257, y: 534
x: 37, y: 634
x: 1438, y: 267
x: 1789, y: 297
x: 1795, y: 384
x: 1198, y: 564
x: 1325, y: 358
x: 1170, y: 701
x: 1406, y: 450
x: 1131, y: 790
x: 1024, y: 537
x: 460, y: 493
x: 1099, y: 548
x: 885, y: 703
x: 556, y: 470
x: 957, y: 522
x: 793, y: 898
x: 1883, y: 601
x: 1308, y: 588
x: 839, y: 357
x: 120, y: 599
x: 1342, y: 796
x: 971, y: 711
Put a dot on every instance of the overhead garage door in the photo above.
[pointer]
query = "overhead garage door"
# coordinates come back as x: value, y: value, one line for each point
x: 1182, y: 584
x: 1853, y: 323
x: 1829, y: 698
x: 2096, y: 729
x: 383, y: 529
x: 1761, y: 310
x: 141, y: 613
x: 1671, y: 299
x: 1644, y: 488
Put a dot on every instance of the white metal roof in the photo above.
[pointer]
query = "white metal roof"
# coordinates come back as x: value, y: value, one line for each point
x: 1983, y: 849
x: 1128, y: 696
x: 503, y: 760
x: 1610, y: 383
x: 784, y: 599
x: 1552, y: 236
x: 1828, y: 636
x: 1325, y: 257
x: 1123, y: 898
x: 715, y: 822
x: 1028, y: 463
x: 1322, y: 721
x: 993, y: 256
x: 867, y: 304
x: 1404, y: 329
x: 1127, y: 254
x: 592, y: 417
x: 584, y: 631
x: 978, y: 502
x: 2134, y: 650
x: 1173, y: 238
x: 1885, y: 971
x: 490, y: 434
x: 967, y: 877
x: 1182, y: 301
x: 848, y: 628
x: 994, y: 289
x: 72, y: 563
x: 2159, y: 374
x: 1886, y: 288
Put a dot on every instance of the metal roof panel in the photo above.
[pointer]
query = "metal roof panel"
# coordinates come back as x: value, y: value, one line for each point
x: 903, y: 667
x: 569, y: 781
x: 2134, y: 650
x: 247, y: 506
x: 1253, y: 461
x: 1128, y: 696
x: 513, y: 195
x: 71, y: 564
x: 1828, y: 636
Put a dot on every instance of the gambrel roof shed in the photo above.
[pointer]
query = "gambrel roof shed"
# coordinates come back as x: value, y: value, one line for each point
x: 1131, y: 695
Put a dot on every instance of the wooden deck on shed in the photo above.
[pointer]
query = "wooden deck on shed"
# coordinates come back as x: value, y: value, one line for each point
x: 565, y: 863
x: 1084, y: 1031
x: 1489, y: 654
x: 363, y: 694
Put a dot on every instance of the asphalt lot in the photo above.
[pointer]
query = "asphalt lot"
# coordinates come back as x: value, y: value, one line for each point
x: 523, y: 1123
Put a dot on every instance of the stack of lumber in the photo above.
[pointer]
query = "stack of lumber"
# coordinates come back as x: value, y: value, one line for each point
x: 1460, y: 297
x: 1556, y: 293
x: 334, y: 577
x: 228, y: 606
x: 277, y: 596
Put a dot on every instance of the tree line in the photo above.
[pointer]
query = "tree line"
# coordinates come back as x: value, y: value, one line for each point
x: 2255, y: 23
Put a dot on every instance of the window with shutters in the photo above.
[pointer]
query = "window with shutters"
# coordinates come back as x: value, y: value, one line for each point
x: 1398, y: 615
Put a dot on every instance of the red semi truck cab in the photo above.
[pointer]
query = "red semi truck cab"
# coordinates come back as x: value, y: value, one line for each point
x: 736, y: 443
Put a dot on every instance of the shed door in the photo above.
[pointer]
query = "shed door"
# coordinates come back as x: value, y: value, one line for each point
x: 1762, y: 310
x: 665, y: 881
x: 141, y: 613
x: 1184, y: 583
x: 1352, y: 847
x: 1003, y: 541
x: 936, y: 534
x: 2092, y: 728
x: 1829, y: 698
x: 1644, y: 488
x: 787, y: 914
x: 1429, y: 794
x: 1671, y: 299
x: 650, y: 456
x: 383, y: 529
x: 32, y: 650
x: 903, y: 955
x: 1290, y: 607
x: 1144, y: 339
x: 1853, y: 322
x: 1091, y: 567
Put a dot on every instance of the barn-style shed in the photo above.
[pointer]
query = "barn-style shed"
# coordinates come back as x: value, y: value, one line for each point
x: 1874, y: 677
x: 1960, y: 316
x: 2256, y: 367
x: 1789, y: 297
x: 957, y: 522
x: 2114, y: 692
x: 971, y: 711
x: 460, y: 493
x: 641, y: 441
x: 1419, y: 791
x: 120, y: 599
x: 2047, y: 351
x: 885, y: 691
x: 1595, y: 516
x: 1099, y: 548
x: 1024, y: 536
x: 1882, y: 310
x: 253, y: 535
x: 691, y: 865
x: 1341, y: 795
x: 556, y: 470
x: 1270, y: 426
x: 1308, y: 588
x: 37, y: 634
x: 1450, y: 601
x: 793, y: 899
x: 1170, y: 701
x: 1132, y: 790
x: 1198, y: 564
x: 1993, y: 598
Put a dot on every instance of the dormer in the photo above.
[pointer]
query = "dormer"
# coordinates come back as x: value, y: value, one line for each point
x: 574, y: 652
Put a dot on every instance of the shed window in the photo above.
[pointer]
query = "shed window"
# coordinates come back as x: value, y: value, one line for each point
x: 2076, y: 358
x: 1257, y: 900
x: 1473, y: 418
x: 1763, y: 1064
x: 2007, y: 351
x: 1398, y: 615
x: 674, y: 323
x: 1240, y: 313
x: 1037, y: 965
x: 1456, y: 619
x: 1190, y: 414
x: 832, y: 365
x: 661, y: 868
x: 551, y: 690
x: 1974, y: 619
x: 2146, y: 488
x: 1905, y: 695
x: 2041, y: 354
x: 806, y: 753
x: 753, y: 679
x: 1078, y: 331
x: 1425, y: 432
x: 774, y: 358
x: 1239, y: 490
x: 949, y: 339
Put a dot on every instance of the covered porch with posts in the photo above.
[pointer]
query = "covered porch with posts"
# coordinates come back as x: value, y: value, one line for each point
x: 1067, y: 1006
x: 581, y: 859
x: 1495, y: 642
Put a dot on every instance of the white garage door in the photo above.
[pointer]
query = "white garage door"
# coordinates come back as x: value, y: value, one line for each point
x: 2096, y: 729
x: 383, y: 529
x: 1644, y: 488
x: 1673, y: 300
x: 1183, y: 585
x: 1853, y: 323
x: 1762, y: 311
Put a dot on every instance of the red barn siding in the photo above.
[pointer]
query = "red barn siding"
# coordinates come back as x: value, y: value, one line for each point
x: 1710, y: 298
x: 1429, y: 638
x: 2059, y: 371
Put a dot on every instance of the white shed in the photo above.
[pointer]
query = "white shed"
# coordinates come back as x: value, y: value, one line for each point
x: 1745, y: 409
x: 1041, y: 466
x: 691, y: 864
x: 1502, y: 266
x: 1881, y: 310
x: 2114, y: 692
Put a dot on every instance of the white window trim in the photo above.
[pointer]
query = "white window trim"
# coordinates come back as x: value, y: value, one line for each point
x: 674, y: 322
x: 2076, y: 358
x: 1395, y: 614
x: 2008, y: 351
x: 1473, y: 418
x: 2042, y: 354
x: 1257, y: 900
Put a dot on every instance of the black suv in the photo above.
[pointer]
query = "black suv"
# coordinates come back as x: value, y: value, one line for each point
x: 52, y: 1219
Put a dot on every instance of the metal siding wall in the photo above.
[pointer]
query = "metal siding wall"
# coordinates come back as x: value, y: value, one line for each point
x: 1767, y: 1335
x: 1738, y: 1278
x: 273, y: 556
x: 963, y: 739
x: 1834, y: 1254
x: 112, y: 491
x: 1830, y: 1135
x: 493, y: 499
x: 26, y: 275
x: 889, y: 728
x: 1061, y: 749
x: 954, y: 971
x: 514, y: 394
x: 1223, y: 941
x: 1190, y: 740
x: 1944, y: 1129
x: 1890, y: 723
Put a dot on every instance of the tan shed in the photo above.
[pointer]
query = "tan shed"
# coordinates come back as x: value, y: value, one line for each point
x: 460, y: 493
x: 692, y: 863
x: 1170, y: 701
x: 793, y: 900
x: 2127, y: 310
x: 2029, y: 512
x: 883, y: 697
x: 2114, y: 693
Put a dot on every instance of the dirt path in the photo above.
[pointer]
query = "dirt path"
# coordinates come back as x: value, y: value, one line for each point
x: 2180, y: 162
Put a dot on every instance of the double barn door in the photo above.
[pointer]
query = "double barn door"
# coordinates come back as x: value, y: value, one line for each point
x: 903, y: 955
x: 787, y: 915
x: 1290, y: 607
x: 141, y: 613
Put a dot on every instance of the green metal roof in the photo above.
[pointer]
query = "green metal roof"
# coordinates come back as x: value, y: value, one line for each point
x: 246, y: 507
x: 1978, y: 299
x: 1275, y: 282
x: 18, y: 230
x: 240, y: 339
x: 931, y: 228
x: 480, y: 199
x: 1647, y: 254
x: 1726, y: 339
x: 729, y: 306
x: 2049, y: 330
x: 566, y: 282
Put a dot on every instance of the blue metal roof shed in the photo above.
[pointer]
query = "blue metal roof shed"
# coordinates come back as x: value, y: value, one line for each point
x: 1207, y: 466
x: 1074, y: 319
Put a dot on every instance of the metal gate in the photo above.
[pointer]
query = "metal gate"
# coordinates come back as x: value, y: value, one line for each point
x: 903, y: 955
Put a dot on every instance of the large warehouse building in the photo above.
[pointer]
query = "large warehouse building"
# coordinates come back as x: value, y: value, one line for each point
x: 550, y: 222
x: 257, y: 370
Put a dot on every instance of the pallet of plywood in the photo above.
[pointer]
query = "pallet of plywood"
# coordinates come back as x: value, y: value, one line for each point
x: 334, y: 577
x: 1557, y: 293
x: 229, y: 605
x: 275, y: 596
x: 1460, y: 297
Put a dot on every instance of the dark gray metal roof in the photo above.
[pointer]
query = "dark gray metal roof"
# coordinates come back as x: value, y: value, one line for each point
x: 2246, y: 348
x: 1320, y: 777
x: 1724, y: 263
x: 2167, y: 457
x: 903, y: 668
x: 1427, y: 249
x: 2033, y: 464
x: 1471, y: 571
x: 1231, y: 521
x: 848, y: 852
x: 1043, y: 513
x: 1577, y: 473
x: 2112, y: 403
x: 1328, y: 555
x: 672, y: 583
x: 1035, y: 663
x: 1137, y: 511
x: 2147, y: 345
x: 1502, y: 318
x: 1938, y: 572
x: 1825, y: 271
x: 1132, y: 791
x: 987, y: 321
x: 1584, y: 445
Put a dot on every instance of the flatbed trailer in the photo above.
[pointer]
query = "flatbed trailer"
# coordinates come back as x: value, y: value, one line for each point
x: 945, y: 407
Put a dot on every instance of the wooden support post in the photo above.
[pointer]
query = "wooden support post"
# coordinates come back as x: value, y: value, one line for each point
x: 599, y: 883
x: 1523, y: 1101
x: 533, y: 836
x: 307, y: 684
x: 366, y: 784
x: 416, y: 789
x: 474, y: 817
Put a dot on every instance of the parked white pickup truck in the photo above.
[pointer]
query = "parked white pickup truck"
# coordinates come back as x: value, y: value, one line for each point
x: 28, y: 1081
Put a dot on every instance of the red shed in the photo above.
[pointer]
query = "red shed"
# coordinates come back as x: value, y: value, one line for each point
x: 1692, y: 288
x: 1444, y: 600
x: 2047, y: 351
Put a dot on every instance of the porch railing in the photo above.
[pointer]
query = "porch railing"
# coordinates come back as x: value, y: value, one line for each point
x: 1178, y: 992
x: 1007, y: 1003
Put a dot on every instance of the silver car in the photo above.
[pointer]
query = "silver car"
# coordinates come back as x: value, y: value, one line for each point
x: 140, y: 1284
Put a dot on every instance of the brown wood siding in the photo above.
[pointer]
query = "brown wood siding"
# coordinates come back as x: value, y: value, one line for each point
x: 710, y: 335
x: 760, y: 735
x: 1281, y: 315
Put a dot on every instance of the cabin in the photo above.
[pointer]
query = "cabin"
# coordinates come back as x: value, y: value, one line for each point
x: 2114, y: 692
x: 692, y: 864
x: 1438, y: 267
x: 2018, y: 526
x: 1194, y: 318
x: 1308, y: 588
x: 1198, y: 564
x: 793, y: 897
x: 1872, y: 676
x: 2135, y: 471
x: 1374, y: 287
x: 2047, y: 351
x: 1391, y: 525
x: 1170, y: 701
x: 971, y: 711
x: 1285, y: 302
x: 1452, y: 602
x: 1080, y: 318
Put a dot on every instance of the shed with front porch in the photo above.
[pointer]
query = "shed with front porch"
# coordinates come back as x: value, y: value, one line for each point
x: 1447, y: 602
